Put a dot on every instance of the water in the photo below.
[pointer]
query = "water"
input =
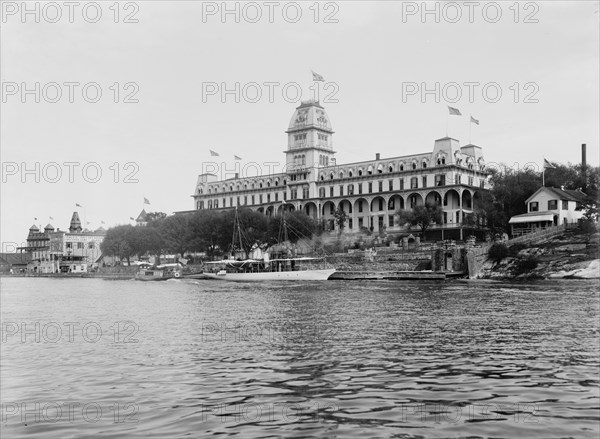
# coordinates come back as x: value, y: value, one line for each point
x: 334, y: 359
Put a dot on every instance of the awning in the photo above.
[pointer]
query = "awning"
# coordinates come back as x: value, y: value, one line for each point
x: 528, y: 218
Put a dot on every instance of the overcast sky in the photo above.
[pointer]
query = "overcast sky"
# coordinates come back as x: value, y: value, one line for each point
x: 371, y: 55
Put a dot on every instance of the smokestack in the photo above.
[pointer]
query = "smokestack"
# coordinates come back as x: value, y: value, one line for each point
x: 377, y: 156
x: 583, y: 167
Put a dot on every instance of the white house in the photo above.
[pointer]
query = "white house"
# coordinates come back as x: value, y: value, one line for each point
x: 548, y: 206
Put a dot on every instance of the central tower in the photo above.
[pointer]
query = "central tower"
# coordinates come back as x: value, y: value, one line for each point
x: 310, y: 143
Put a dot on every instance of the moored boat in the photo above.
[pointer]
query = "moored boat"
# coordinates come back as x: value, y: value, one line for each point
x: 162, y: 272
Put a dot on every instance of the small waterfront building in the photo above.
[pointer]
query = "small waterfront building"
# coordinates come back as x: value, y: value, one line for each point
x: 547, y: 207
x: 370, y: 192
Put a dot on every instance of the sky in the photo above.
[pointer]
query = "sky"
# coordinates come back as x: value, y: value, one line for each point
x: 130, y: 99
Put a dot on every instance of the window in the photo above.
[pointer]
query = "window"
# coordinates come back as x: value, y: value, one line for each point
x: 440, y: 180
x: 350, y: 223
x: 380, y: 204
x: 253, y: 199
x: 305, y: 193
x: 245, y: 200
x: 91, y: 244
x: 237, y: 200
x: 401, y: 184
x: 294, y: 194
x: 381, y: 186
x: 360, y: 206
x: 360, y: 223
x: 331, y: 191
x: 268, y: 198
x: 401, y: 166
x: 391, y: 220
x: 285, y: 196
x: 341, y: 190
x: 231, y: 201
x: 552, y: 204
x: 424, y: 181
x: 276, y: 196
x: 391, y: 204
x: 533, y: 206
x: 69, y: 245
x: 80, y: 245
x: 414, y: 165
x: 350, y: 189
x: 565, y: 205
x: 216, y: 204
x: 370, y: 187
x: 445, y: 216
x: 470, y: 181
x: 322, y: 192
x: 424, y: 164
x: 360, y: 188
x: 457, y: 179
x: 414, y: 183
x: 391, y: 185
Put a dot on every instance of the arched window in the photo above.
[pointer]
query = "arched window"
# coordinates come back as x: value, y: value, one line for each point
x: 350, y: 173
x: 360, y: 172
x: 414, y: 165
x: 402, y: 166
x: 331, y: 176
x: 424, y: 164
x: 390, y: 168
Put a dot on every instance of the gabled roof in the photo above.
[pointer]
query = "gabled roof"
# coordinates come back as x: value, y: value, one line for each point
x: 141, y: 217
x: 561, y: 194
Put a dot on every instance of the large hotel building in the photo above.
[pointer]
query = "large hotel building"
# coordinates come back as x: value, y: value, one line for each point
x: 370, y: 192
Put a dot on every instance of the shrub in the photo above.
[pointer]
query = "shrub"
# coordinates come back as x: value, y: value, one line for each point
x: 526, y: 263
x: 516, y: 248
x: 497, y: 252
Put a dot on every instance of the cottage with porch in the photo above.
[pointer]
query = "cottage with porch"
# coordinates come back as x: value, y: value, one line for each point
x: 548, y: 207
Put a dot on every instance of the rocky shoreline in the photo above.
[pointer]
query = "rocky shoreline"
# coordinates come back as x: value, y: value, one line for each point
x: 573, y: 256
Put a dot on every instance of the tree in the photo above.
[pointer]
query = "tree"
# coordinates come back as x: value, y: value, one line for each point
x: 253, y: 228
x: 210, y: 231
x: 155, y: 217
x: 176, y: 234
x: 422, y: 216
x: 340, y: 218
x: 118, y: 242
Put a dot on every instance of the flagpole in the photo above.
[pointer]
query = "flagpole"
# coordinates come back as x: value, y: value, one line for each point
x: 470, y: 123
x: 447, y: 116
x: 543, y: 174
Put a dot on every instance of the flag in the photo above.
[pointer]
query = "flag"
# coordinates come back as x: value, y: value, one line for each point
x: 475, y: 121
x: 235, y: 157
x: 102, y: 222
x: 132, y: 218
x: 51, y: 218
x: 78, y: 205
x: 213, y: 153
x: 35, y: 219
x: 548, y: 165
x: 146, y: 201
x: 317, y: 77
x: 454, y: 111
